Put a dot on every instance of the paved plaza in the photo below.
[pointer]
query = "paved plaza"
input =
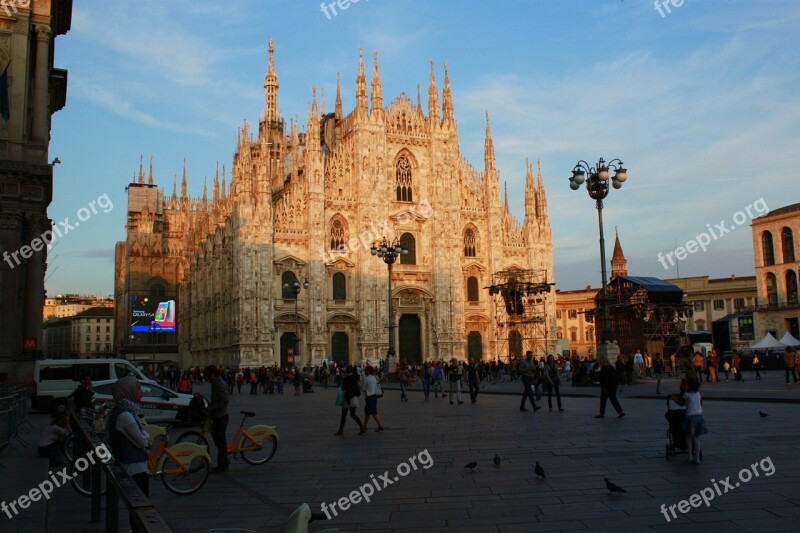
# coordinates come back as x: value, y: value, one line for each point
x: 576, y: 450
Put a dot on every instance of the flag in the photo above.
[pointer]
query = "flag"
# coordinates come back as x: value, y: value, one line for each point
x: 5, y: 108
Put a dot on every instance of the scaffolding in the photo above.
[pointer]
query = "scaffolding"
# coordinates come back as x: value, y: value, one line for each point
x: 520, y: 298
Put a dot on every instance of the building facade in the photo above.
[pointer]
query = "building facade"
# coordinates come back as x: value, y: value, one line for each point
x: 713, y: 299
x: 87, y: 334
x: 777, y: 263
x: 31, y: 90
x: 65, y: 305
x: 306, y: 207
x: 575, y: 325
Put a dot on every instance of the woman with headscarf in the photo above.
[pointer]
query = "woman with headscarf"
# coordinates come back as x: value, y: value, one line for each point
x: 128, y: 439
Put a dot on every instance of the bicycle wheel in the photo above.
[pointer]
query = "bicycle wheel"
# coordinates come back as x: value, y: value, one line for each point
x: 260, y: 456
x: 68, y: 446
x: 82, y: 477
x: 195, y: 437
x: 180, y: 480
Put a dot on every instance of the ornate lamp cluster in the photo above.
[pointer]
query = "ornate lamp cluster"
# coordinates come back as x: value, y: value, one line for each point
x: 296, y: 286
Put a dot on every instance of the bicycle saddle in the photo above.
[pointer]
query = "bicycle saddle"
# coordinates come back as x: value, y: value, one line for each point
x: 247, y: 413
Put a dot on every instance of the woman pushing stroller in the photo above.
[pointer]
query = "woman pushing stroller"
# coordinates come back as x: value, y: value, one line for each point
x: 694, y: 425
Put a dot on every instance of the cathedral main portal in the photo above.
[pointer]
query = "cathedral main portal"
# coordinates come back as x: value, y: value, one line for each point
x: 410, y: 336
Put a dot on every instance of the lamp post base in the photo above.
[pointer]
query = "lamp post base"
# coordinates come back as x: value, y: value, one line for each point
x: 608, y: 349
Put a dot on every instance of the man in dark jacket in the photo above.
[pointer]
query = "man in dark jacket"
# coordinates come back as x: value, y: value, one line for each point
x: 608, y: 388
x: 218, y: 412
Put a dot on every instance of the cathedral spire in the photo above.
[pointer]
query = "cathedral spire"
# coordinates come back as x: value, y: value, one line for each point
x: 505, y: 196
x: 271, y: 87
x: 150, y: 175
x: 361, y: 85
x: 312, y: 124
x: 216, y: 185
x: 205, y: 191
x: 338, y: 106
x: 183, y: 182
x: 376, y: 105
x: 433, y: 99
x: 530, y: 192
x: 488, y: 146
x: 541, y: 196
x: 174, y: 188
x: 447, y: 100
x: 140, y: 179
x: 222, y: 192
x: 322, y: 102
x: 419, y: 99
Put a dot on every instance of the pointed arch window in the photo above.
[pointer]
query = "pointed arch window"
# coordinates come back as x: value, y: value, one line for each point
x: 470, y: 243
x: 473, y: 295
x: 766, y: 248
x: 403, y: 179
x: 410, y: 243
x: 787, y: 242
x: 338, y: 237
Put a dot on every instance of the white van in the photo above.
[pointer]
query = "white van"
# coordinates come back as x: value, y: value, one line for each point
x: 55, y: 379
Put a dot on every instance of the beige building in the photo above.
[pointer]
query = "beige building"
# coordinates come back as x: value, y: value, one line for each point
x: 306, y: 207
x: 86, y: 334
x: 575, y: 329
x: 71, y: 304
x: 35, y: 91
x: 777, y: 266
x: 712, y: 299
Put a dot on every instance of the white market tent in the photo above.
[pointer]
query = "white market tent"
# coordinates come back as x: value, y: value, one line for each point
x: 789, y: 340
x: 768, y: 343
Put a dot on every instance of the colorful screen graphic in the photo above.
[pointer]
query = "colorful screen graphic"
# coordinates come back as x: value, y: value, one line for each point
x: 149, y: 314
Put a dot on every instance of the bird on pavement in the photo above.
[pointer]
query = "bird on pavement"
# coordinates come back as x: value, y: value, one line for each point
x: 539, y: 470
x: 613, y: 488
x: 471, y: 465
x: 497, y: 460
x: 763, y: 415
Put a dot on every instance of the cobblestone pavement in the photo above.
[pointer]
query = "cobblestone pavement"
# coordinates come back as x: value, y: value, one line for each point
x: 576, y: 450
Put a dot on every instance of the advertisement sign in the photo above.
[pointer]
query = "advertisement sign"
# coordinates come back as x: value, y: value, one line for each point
x: 747, y: 331
x: 149, y: 314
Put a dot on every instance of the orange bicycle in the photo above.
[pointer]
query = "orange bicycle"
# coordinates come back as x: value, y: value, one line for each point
x: 256, y: 444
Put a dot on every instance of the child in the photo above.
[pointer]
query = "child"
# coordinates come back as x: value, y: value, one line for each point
x: 695, y: 424
x: 52, y: 438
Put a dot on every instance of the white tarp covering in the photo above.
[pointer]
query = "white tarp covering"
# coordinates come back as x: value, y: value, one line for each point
x: 789, y: 340
x: 767, y: 343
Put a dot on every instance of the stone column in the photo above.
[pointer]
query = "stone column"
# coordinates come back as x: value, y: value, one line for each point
x: 41, y: 111
x: 34, y: 278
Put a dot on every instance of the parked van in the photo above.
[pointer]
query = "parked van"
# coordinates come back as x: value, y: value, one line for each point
x: 55, y: 379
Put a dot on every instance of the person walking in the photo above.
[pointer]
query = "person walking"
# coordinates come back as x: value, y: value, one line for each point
x: 552, y: 382
x: 526, y: 369
x: 695, y: 424
x: 402, y: 378
x: 351, y: 393
x: 790, y: 360
x: 474, y: 381
x: 427, y: 377
x: 185, y: 384
x: 127, y: 438
x: 608, y: 388
x: 438, y: 381
x: 372, y: 392
x: 218, y: 413
x: 658, y: 370
x: 456, y: 375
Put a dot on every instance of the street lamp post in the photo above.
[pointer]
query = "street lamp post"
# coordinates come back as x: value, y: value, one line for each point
x: 296, y: 290
x: 596, y: 178
x: 389, y: 252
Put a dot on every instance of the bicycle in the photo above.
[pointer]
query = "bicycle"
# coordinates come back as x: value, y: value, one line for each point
x: 256, y: 444
x: 183, y: 468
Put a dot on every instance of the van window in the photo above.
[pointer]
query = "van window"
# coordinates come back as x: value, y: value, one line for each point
x: 123, y: 370
x: 73, y: 372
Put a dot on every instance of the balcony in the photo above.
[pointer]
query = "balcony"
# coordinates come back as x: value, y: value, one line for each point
x: 775, y: 302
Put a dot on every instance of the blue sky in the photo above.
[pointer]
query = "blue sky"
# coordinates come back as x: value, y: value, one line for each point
x: 702, y: 105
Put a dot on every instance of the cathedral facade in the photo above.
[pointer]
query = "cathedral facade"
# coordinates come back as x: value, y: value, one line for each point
x: 276, y: 267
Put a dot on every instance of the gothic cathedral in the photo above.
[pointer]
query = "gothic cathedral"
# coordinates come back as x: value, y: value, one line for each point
x: 278, y: 269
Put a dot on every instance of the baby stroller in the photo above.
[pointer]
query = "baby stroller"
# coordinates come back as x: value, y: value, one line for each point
x: 307, y: 385
x: 676, y: 435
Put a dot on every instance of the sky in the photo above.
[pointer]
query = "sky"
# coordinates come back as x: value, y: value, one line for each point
x: 700, y: 101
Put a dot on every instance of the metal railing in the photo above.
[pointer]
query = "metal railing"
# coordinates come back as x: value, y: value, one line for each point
x: 119, y: 486
x: 13, y: 410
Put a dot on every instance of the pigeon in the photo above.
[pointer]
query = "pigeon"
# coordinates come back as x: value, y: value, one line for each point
x: 471, y: 465
x: 539, y: 470
x: 613, y: 488
x: 763, y: 415
x: 497, y: 460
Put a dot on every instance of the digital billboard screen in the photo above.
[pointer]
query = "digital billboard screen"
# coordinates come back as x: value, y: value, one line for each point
x: 152, y: 314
